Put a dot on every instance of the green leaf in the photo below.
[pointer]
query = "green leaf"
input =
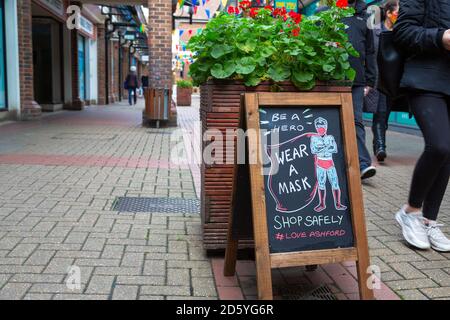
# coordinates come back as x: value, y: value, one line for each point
x: 224, y: 71
x: 267, y: 51
x: 248, y: 46
x: 303, y: 76
x: 351, y: 74
x: 220, y: 50
x: 245, y: 65
x: 328, y: 67
x: 279, y: 72
x: 252, y: 81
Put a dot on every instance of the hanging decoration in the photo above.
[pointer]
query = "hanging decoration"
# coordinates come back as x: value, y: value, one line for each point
x: 208, y: 13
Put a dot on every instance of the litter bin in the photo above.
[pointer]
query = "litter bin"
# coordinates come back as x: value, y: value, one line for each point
x: 158, y: 104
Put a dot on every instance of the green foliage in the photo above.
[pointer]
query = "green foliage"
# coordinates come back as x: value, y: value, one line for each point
x: 267, y: 48
x: 184, y: 84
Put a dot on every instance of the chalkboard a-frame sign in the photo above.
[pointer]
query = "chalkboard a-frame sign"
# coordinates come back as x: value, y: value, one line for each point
x: 304, y: 192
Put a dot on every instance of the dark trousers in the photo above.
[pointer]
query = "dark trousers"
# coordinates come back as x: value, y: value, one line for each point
x: 380, y: 123
x: 358, y: 103
x: 432, y: 172
x: 130, y: 96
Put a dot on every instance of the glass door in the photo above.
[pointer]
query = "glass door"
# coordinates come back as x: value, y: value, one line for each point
x: 2, y: 57
x: 82, y: 67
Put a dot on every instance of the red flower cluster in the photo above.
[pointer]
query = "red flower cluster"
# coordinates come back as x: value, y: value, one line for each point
x: 233, y: 10
x: 296, y: 32
x: 296, y: 17
x: 253, y: 12
x: 269, y: 8
x: 279, y: 12
x: 245, y: 4
x: 342, y: 3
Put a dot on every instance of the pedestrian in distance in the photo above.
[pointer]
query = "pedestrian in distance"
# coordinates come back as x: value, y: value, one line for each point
x: 422, y: 32
x: 376, y: 102
x: 131, y: 84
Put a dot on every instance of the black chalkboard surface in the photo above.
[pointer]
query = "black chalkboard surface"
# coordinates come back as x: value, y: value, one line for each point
x: 305, y: 182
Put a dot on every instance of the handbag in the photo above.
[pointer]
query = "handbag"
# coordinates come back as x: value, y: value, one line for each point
x: 391, y: 64
x: 371, y: 101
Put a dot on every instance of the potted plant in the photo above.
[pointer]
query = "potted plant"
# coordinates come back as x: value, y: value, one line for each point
x: 184, y: 92
x: 260, y: 49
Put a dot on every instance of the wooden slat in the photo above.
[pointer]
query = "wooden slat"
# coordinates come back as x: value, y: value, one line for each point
x: 356, y: 195
x: 286, y: 260
x: 327, y: 99
x: 263, y: 271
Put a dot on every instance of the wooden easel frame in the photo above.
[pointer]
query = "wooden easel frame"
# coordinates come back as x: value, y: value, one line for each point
x: 265, y: 261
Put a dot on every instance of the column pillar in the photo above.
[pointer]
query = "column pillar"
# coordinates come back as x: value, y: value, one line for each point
x: 160, y: 43
x: 101, y: 64
x: 30, y: 110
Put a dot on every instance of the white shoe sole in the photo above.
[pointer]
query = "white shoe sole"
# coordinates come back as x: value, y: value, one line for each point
x: 407, y: 237
x: 438, y: 249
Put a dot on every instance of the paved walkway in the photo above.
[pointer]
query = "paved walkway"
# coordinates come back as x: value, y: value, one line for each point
x: 59, y: 182
x: 59, y: 179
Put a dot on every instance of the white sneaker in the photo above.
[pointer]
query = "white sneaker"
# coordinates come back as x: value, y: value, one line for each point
x: 413, y: 229
x: 368, y: 172
x: 438, y: 240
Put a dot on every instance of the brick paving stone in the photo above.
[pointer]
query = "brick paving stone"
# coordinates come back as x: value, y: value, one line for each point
x: 38, y: 296
x: 407, y: 271
x: 40, y: 257
x: 122, y: 292
x: 178, y: 277
x: 23, y: 250
x: 155, y: 267
x: 14, y: 291
x: 141, y: 280
x: 80, y: 297
x: 412, y: 284
x: 204, y: 287
x: 100, y: 285
x: 413, y: 294
x: 442, y: 292
x: 166, y: 290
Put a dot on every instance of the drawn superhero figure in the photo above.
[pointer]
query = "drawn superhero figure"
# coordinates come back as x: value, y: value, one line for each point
x: 323, y: 146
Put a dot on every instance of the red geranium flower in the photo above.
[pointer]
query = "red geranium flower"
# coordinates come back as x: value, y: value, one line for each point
x: 296, y: 32
x: 269, y: 8
x: 297, y: 17
x: 253, y: 12
x: 245, y: 4
x: 230, y: 10
x: 279, y: 12
x: 342, y: 3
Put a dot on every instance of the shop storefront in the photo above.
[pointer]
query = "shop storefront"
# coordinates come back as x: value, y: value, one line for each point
x: 48, y: 57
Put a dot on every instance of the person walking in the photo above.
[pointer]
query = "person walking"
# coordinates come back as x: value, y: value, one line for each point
x: 383, y: 103
x: 423, y: 34
x: 361, y: 37
x: 131, y: 84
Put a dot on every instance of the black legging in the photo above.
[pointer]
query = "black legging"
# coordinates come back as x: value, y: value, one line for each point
x: 432, y: 172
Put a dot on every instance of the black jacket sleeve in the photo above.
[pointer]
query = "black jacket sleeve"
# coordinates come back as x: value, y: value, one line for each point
x: 371, y: 69
x: 410, y: 32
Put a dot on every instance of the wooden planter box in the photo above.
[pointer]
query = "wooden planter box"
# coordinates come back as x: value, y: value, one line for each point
x: 220, y: 109
x: 184, y: 97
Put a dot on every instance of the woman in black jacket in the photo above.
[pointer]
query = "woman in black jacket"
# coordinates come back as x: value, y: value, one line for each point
x: 423, y: 33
